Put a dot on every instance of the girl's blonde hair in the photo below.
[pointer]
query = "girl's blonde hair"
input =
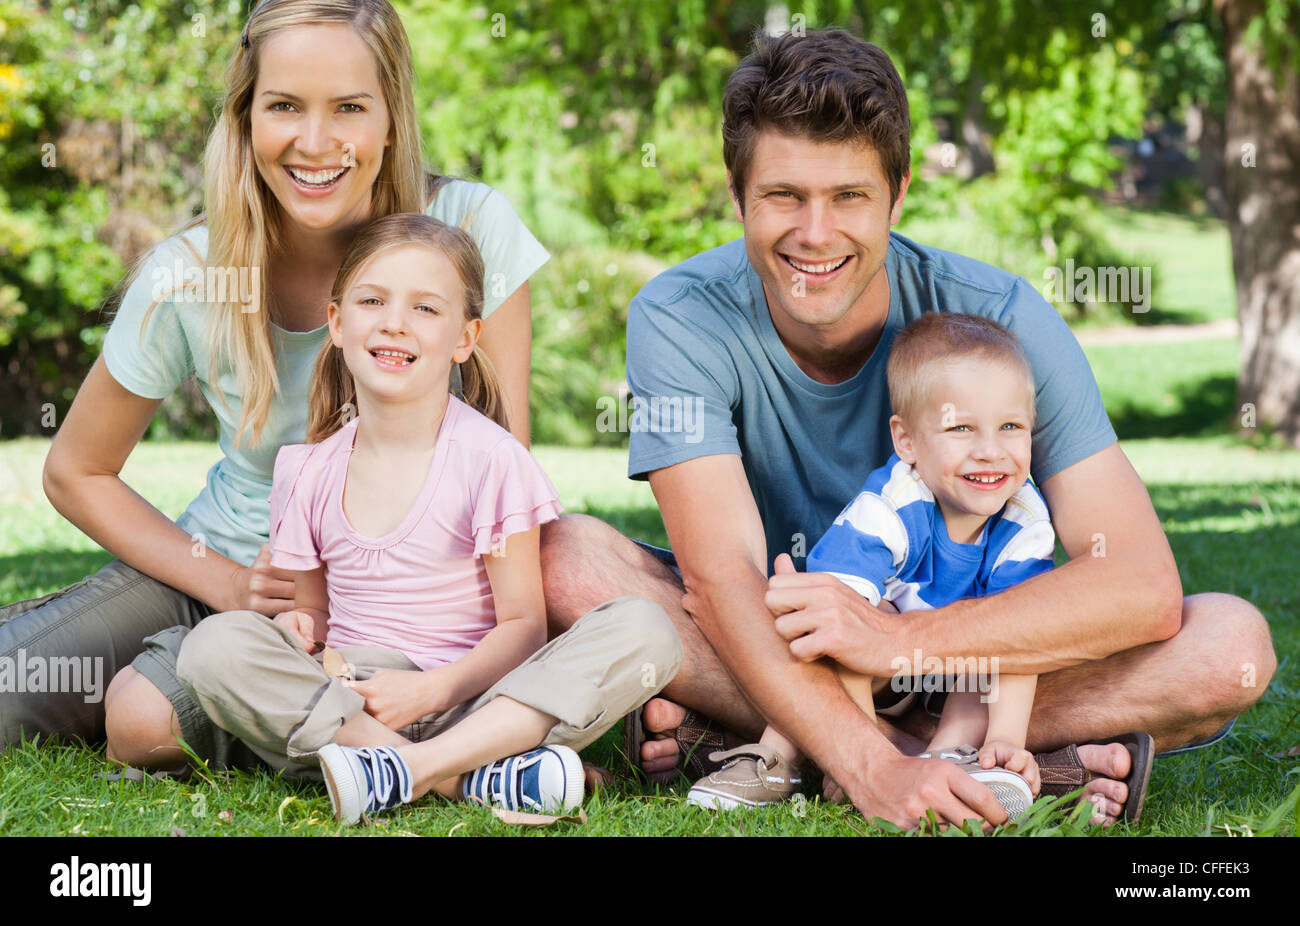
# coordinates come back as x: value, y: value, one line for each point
x: 243, y: 216
x: 333, y: 394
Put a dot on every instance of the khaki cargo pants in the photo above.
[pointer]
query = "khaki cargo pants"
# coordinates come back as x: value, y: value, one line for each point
x: 255, y: 682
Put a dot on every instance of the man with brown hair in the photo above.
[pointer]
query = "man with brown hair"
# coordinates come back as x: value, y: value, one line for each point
x: 778, y: 344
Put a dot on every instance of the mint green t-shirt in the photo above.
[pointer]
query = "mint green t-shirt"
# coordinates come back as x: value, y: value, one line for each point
x: 231, y: 514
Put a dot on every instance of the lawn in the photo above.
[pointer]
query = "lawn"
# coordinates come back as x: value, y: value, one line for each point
x: 1232, y: 513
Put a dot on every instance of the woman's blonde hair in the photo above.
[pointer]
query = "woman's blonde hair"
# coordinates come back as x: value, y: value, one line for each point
x: 333, y: 393
x: 243, y: 216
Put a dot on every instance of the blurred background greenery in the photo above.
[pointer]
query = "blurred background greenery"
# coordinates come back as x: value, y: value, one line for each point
x: 1042, y: 132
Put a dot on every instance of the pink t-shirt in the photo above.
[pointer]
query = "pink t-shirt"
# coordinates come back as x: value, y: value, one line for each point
x: 422, y: 588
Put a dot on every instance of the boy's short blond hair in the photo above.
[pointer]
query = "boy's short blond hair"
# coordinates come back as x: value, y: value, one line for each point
x: 938, y: 338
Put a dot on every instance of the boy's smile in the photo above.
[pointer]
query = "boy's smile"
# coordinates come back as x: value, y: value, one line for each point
x: 971, y: 441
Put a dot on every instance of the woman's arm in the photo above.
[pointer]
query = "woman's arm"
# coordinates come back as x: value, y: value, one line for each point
x: 507, y: 340
x: 82, y: 481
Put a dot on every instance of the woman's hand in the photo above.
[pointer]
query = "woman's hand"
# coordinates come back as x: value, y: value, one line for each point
x: 263, y: 588
x: 397, y: 697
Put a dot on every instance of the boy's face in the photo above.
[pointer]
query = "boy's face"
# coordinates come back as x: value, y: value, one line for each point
x: 817, y: 218
x: 970, y: 439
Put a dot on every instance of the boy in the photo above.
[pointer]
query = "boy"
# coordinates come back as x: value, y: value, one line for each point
x: 951, y: 515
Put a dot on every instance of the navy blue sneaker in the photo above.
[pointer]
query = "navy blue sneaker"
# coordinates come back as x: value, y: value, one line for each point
x: 547, y: 779
x: 365, y: 780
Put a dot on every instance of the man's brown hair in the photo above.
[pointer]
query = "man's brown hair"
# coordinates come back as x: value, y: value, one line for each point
x: 941, y: 338
x: 827, y: 85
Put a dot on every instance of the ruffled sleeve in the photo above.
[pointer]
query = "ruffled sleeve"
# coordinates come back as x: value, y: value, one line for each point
x: 513, y: 496
x: 293, y: 540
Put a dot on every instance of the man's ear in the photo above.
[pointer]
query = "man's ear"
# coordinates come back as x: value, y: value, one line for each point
x: 335, y: 322
x: 902, y: 440
x: 468, y: 339
x: 897, y: 212
x: 735, y: 203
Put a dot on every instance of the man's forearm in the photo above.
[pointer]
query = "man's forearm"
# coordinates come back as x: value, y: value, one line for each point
x: 1088, y: 609
x: 804, y: 701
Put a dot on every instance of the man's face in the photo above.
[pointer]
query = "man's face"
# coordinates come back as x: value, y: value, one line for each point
x: 817, y: 218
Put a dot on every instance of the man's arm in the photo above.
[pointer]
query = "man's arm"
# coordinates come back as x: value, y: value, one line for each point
x: 1119, y: 590
x: 717, y: 536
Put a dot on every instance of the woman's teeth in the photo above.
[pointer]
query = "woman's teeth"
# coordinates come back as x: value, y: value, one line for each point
x: 318, y: 178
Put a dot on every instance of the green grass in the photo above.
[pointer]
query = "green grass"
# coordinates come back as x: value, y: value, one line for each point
x: 1190, y: 261
x: 1232, y: 513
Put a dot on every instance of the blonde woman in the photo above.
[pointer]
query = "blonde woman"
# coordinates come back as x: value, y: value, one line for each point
x: 316, y: 136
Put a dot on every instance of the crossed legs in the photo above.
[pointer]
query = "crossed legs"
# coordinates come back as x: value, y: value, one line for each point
x: 1178, y: 690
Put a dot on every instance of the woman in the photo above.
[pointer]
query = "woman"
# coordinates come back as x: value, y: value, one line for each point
x: 316, y: 136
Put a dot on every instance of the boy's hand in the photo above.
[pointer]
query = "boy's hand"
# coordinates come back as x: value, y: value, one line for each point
x: 301, y: 626
x: 1013, y: 759
x: 397, y: 697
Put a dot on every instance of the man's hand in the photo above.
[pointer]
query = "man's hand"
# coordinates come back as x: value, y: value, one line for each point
x: 301, y: 626
x: 1014, y: 759
x: 901, y: 790
x: 397, y: 697
x: 821, y: 616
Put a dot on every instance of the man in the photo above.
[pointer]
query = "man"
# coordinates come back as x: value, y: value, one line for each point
x: 777, y: 344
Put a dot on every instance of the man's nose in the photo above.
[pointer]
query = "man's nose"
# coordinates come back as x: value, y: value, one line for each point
x: 817, y: 231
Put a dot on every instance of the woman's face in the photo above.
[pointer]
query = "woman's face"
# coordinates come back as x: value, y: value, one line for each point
x: 319, y: 124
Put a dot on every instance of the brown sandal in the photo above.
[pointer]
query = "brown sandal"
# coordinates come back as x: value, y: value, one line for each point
x: 1062, y: 770
x: 696, y: 737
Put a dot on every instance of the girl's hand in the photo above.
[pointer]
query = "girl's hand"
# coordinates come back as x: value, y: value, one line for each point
x: 263, y: 588
x: 397, y: 697
x: 301, y: 626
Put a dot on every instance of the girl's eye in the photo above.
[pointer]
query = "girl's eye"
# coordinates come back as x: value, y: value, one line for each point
x: 369, y: 300
x: 427, y: 308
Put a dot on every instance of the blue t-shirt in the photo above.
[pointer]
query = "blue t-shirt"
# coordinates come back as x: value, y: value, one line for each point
x: 709, y: 375
x: 891, y: 542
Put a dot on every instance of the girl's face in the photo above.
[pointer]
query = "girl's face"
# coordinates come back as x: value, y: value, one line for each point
x: 402, y: 324
x: 319, y: 124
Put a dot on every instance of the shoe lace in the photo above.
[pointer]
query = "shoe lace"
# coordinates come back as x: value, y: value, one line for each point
x: 388, y: 780
x: 501, y: 783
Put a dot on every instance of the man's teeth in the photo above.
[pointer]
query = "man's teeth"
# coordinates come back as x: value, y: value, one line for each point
x: 817, y: 268
x: 989, y: 479
x: 317, y: 177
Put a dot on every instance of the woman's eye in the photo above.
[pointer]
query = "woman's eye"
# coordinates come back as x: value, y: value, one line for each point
x: 357, y: 108
x: 275, y: 107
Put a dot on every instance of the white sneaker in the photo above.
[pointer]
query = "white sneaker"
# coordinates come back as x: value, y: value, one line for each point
x: 546, y: 779
x: 1010, y: 788
x: 365, y: 780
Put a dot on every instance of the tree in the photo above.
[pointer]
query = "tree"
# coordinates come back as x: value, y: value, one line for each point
x: 1263, y: 190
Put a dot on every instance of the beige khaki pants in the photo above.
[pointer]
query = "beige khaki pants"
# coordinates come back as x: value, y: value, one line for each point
x: 255, y: 682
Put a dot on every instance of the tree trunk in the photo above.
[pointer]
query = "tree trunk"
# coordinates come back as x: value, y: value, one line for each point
x: 1262, y: 158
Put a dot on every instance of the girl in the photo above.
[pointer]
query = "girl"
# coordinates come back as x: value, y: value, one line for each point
x: 412, y: 522
x: 317, y: 134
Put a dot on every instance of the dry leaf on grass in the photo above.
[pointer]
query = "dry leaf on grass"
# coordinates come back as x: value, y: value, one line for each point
x: 518, y: 818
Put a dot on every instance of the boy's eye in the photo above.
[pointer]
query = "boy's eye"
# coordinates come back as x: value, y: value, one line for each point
x: 1011, y: 425
x: 960, y: 427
